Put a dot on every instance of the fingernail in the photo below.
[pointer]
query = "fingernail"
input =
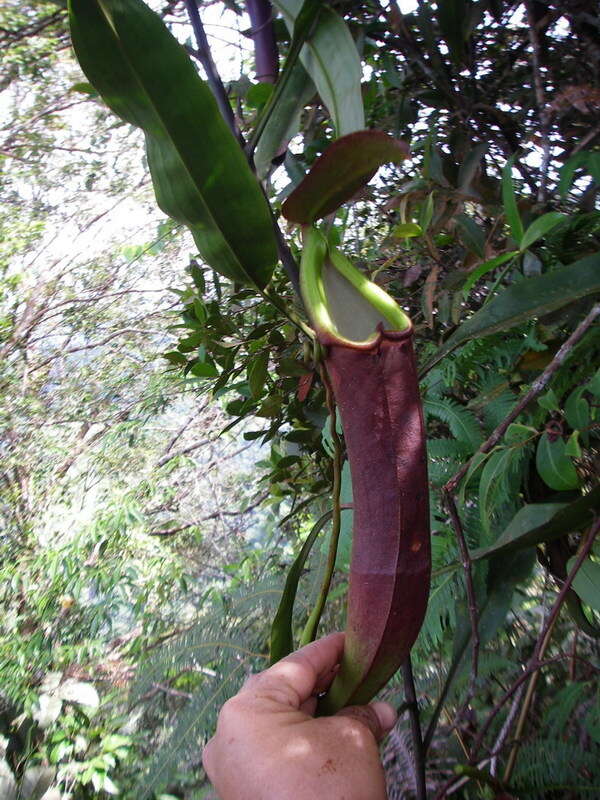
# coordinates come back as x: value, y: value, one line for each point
x: 386, y: 714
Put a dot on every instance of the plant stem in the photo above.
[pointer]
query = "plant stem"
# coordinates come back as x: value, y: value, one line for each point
x: 544, y: 112
x: 310, y: 631
x: 410, y: 696
x: 535, y: 663
x: 212, y: 75
x: 542, y: 644
x: 266, y: 61
x: 429, y: 733
x: 471, y: 597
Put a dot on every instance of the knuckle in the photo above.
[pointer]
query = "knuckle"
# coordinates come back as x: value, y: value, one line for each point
x: 207, y: 757
x: 360, y: 724
x: 251, y: 681
x: 232, y: 710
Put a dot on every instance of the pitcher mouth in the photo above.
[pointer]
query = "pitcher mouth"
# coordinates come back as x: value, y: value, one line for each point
x: 345, y: 307
x: 329, y: 339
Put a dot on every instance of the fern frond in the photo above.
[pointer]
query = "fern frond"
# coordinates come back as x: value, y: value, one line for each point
x: 462, y: 423
x: 562, y: 707
x: 222, y: 631
x: 544, y: 765
x: 194, y: 724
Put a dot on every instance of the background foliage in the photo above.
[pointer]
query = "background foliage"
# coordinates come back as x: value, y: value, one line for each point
x: 160, y: 468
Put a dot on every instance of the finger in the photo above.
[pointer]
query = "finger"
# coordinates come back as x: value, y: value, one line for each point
x: 206, y: 755
x: 379, y: 718
x: 325, y: 680
x: 294, y: 679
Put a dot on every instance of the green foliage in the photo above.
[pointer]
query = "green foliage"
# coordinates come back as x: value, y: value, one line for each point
x: 117, y: 510
x: 200, y: 175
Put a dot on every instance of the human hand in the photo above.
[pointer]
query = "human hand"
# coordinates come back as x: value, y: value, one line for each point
x: 269, y: 746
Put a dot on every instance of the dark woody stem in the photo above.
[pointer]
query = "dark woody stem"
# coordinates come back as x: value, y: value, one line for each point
x: 212, y: 75
x: 266, y: 56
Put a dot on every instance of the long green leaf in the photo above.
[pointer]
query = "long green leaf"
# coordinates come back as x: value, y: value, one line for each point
x: 543, y: 522
x: 304, y: 27
x: 331, y: 59
x: 509, y: 201
x: 200, y: 175
x: 484, y: 268
x: 284, y: 122
x: 525, y: 300
x: 282, y: 638
x: 540, y: 227
x: 568, y: 170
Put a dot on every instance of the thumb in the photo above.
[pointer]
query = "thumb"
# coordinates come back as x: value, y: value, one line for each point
x: 379, y: 718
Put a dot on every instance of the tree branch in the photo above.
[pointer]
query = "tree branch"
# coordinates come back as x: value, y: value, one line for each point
x: 214, y: 515
x: 412, y: 707
x: 212, y: 75
x: 543, y: 111
x: 534, y: 662
x: 266, y: 61
x: 542, y: 644
x: 471, y: 597
x: 537, y: 387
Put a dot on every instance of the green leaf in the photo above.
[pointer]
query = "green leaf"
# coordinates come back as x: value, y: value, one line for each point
x: 282, y: 637
x: 471, y: 235
x: 284, y: 121
x: 200, y: 311
x: 84, y: 88
x: 345, y: 167
x: 407, y: 230
x: 452, y: 16
x: 554, y: 467
x: 509, y: 201
x: 567, y: 172
x: 484, y: 268
x: 525, y: 300
x: 200, y: 175
x: 175, y: 357
x: 258, y: 94
x: 572, y: 447
x: 477, y: 461
x: 516, y: 433
x: 506, y: 570
x: 204, y: 369
x: 577, y: 409
x: 304, y: 27
x: 426, y: 214
x: 331, y: 59
x: 586, y: 582
x: 197, y: 276
x: 543, y: 522
x: 258, y: 370
x: 540, y: 227
x: 548, y: 400
x: 593, y: 385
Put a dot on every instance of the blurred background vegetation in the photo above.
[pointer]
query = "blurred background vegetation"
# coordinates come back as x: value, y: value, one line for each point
x: 164, y: 442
